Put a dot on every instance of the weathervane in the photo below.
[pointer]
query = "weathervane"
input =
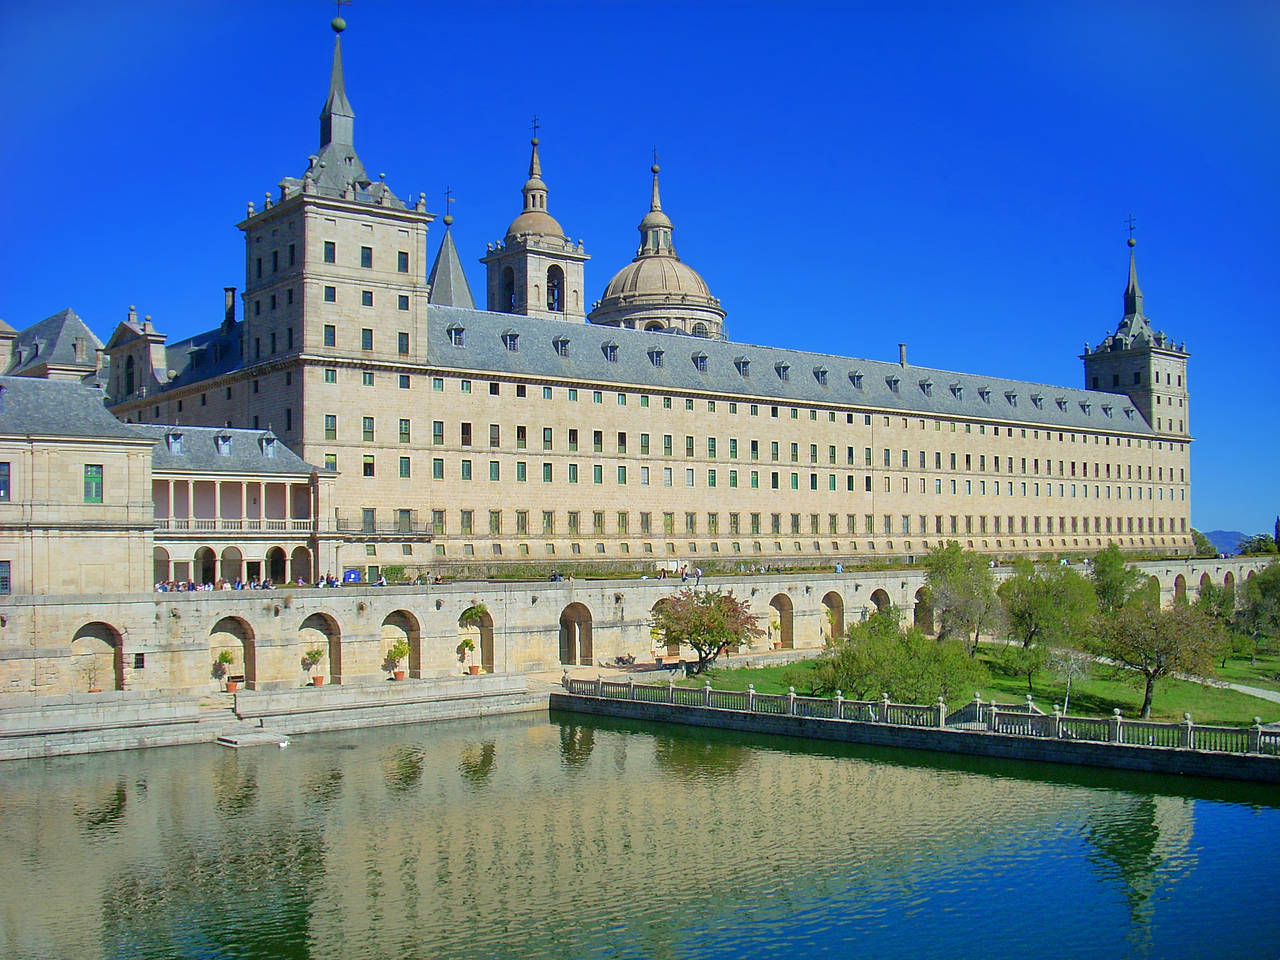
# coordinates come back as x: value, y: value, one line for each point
x: 448, y: 199
x: 535, y: 126
x: 1130, y: 221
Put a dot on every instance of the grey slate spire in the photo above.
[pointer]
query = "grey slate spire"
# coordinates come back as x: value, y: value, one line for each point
x: 337, y: 169
x: 337, y: 119
x: 1132, y: 292
x: 448, y: 283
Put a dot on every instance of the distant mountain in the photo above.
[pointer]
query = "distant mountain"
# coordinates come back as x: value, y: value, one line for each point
x: 1226, y: 541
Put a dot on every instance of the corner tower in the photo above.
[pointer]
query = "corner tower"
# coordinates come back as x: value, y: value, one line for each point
x: 536, y: 270
x: 656, y: 290
x: 1144, y: 365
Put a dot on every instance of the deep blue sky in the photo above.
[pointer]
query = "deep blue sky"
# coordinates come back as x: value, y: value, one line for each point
x: 846, y: 176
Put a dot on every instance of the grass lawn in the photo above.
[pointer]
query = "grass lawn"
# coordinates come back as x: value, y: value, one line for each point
x: 1097, y: 696
x: 1264, y: 672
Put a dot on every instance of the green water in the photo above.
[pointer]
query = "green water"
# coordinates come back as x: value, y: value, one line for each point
x: 571, y: 836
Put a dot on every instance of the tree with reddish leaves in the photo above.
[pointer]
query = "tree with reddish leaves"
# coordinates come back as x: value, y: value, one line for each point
x: 708, y: 621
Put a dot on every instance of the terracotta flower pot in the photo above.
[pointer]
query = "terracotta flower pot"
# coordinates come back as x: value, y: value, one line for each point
x: 233, y: 686
x: 398, y: 674
x: 777, y: 644
x: 317, y: 681
x: 473, y: 668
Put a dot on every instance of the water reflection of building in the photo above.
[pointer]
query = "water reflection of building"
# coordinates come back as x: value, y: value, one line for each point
x: 456, y: 836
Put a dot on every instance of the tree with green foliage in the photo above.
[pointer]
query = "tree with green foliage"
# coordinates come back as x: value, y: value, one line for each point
x: 963, y: 592
x: 709, y: 621
x: 1044, y: 607
x: 1151, y: 643
x: 1202, y: 545
x: 1258, y: 616
x: 878, y: 656
x: 1114, y: 582
x: 1260, y: 544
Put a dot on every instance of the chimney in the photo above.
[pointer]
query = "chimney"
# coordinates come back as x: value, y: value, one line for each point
x: 228, y: 307
x: 97, y: 359
x: 902, y: 354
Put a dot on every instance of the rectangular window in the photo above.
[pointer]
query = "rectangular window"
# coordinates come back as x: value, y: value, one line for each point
x: 5, y: 584
x: 495, y: 435
x: 366, y: 298
x: 466, y: 470
x: 622, y: 476
x: 402, y: 261
x: 366, y: 339
x: 330, y: 296
x: 366, y: 378
x: 4, y: 483
x: 437, y: 431
x: 546, y: 473
x: 495, y: 471
x: 404, y: 467
x: 331, y: 426
x: 466, y: 521
x: 93, y: 483
x: 330, y: 252
x: 546, y: 438
x: 597, y: 473
x: 644, y: 444
x: 522, y: 522
x: 522, y: 471
x: 573, y: 473
x: 464, y: 434
x: 404, y: 431
x: 366, y: 257
x: 548, y: 521
x: 366, y: 429
x: 367, y: 466
x: 404, y: 381
x: 437, y: 469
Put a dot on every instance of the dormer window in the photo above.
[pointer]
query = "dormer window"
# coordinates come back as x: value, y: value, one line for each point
x: 511, y: 340
x: 856, y: 379
x: 610, y: 350
x: 926, y: 387
x: 1061, y: 402
x: 985, y: 394
x: 820, y: 374
x: 783, y: 370
x: 743, y: 366
x: 174, y: 442
x: 1086, y: 406
x: 561, y: 346
x: 1128, y: 412
x: 1037, y: 399
x: 957, y: 391
x: 456, y: 335
x: 655, y: 357
x: 700, y: 362
x: 1012, y: 397
x: 892, y: 383
x: 269, y: 446
x: 1106, y: 409
x: 222, y: 443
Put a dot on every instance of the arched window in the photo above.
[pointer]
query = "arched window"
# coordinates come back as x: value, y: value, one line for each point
x: 507, y: 300
x: 699, y: 329
x: 555, y: 289
x: 128, y: 376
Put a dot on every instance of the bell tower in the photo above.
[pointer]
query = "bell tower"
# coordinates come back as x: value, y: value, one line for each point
x: 1143, y: 364
x: 536, y: 270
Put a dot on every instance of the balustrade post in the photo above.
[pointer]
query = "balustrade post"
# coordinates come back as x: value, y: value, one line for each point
x: 564, y: 681
x: 1115, y: 723
x: 1255, y: 736
x: 791, y: 701
x: 671, y: 688
x: 751, y: 698
x: 884, y: 708
x: 706, y: 694
x: 631, y: 687
x: 1185, y: 737
x: 1057, y: 721
x: 838, y: 710
x: 599, y: 685
x: 992, y: 721
x: 942, y: 712
x: 977, y: 703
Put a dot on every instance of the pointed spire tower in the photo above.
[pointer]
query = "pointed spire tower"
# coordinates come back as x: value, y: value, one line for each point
x: 536, y: 270
x: 447, y: 280
x: 1145, y: 365
x: 658, y: 291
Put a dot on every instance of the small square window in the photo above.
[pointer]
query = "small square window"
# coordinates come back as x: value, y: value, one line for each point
x: 404, y: 381
x: 402, y: 261
x: 330, y: 252
x: 366, y: 298
x: 330, y: 294
x: 366, y: 257
x: 402, y: 302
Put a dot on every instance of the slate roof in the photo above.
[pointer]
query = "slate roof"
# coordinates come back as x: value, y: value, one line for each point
x: 867, y: 384
x: 52, y: 341
x: 34, y: 406
x: 448, y: 281
x: 193, y: 359
x: 200, y: 452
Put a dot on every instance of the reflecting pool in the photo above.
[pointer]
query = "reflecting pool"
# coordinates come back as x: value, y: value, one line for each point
x: 569, y: 836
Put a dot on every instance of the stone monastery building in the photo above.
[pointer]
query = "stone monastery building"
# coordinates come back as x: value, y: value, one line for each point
x: 552, y: 426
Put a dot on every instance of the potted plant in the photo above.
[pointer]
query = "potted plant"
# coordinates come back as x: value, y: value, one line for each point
x: 90, y: 669
x: 399, y: 650
x: 309, y: 660
x: 466, y: 646
x: 221, y: 662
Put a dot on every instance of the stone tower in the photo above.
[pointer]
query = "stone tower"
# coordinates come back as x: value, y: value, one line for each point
x: 1144, y: 365
x: 656, y: 290
x: 536, y: 270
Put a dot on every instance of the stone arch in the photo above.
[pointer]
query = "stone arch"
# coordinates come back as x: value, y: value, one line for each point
x: 1179, y: 588
x: 555, y: 289
x: 276, y: 565
x: 205, y: 566
x: 575, y: 635
x: 160, y: 565
x: 300, y: 565
x: 322, y: 631
x: 1229, y: 581
x: 881, y: 600
x: 923, y: 612
x: 232, y: 563
x: 782, y: 621
x: 507, y: 294
x: 402, y: 625
x: 97, y: 656
x: 484, y: 640
x: 1206, y: 582
x: 832, y: 616
x: 235, y: 634
x: 654, y: 325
